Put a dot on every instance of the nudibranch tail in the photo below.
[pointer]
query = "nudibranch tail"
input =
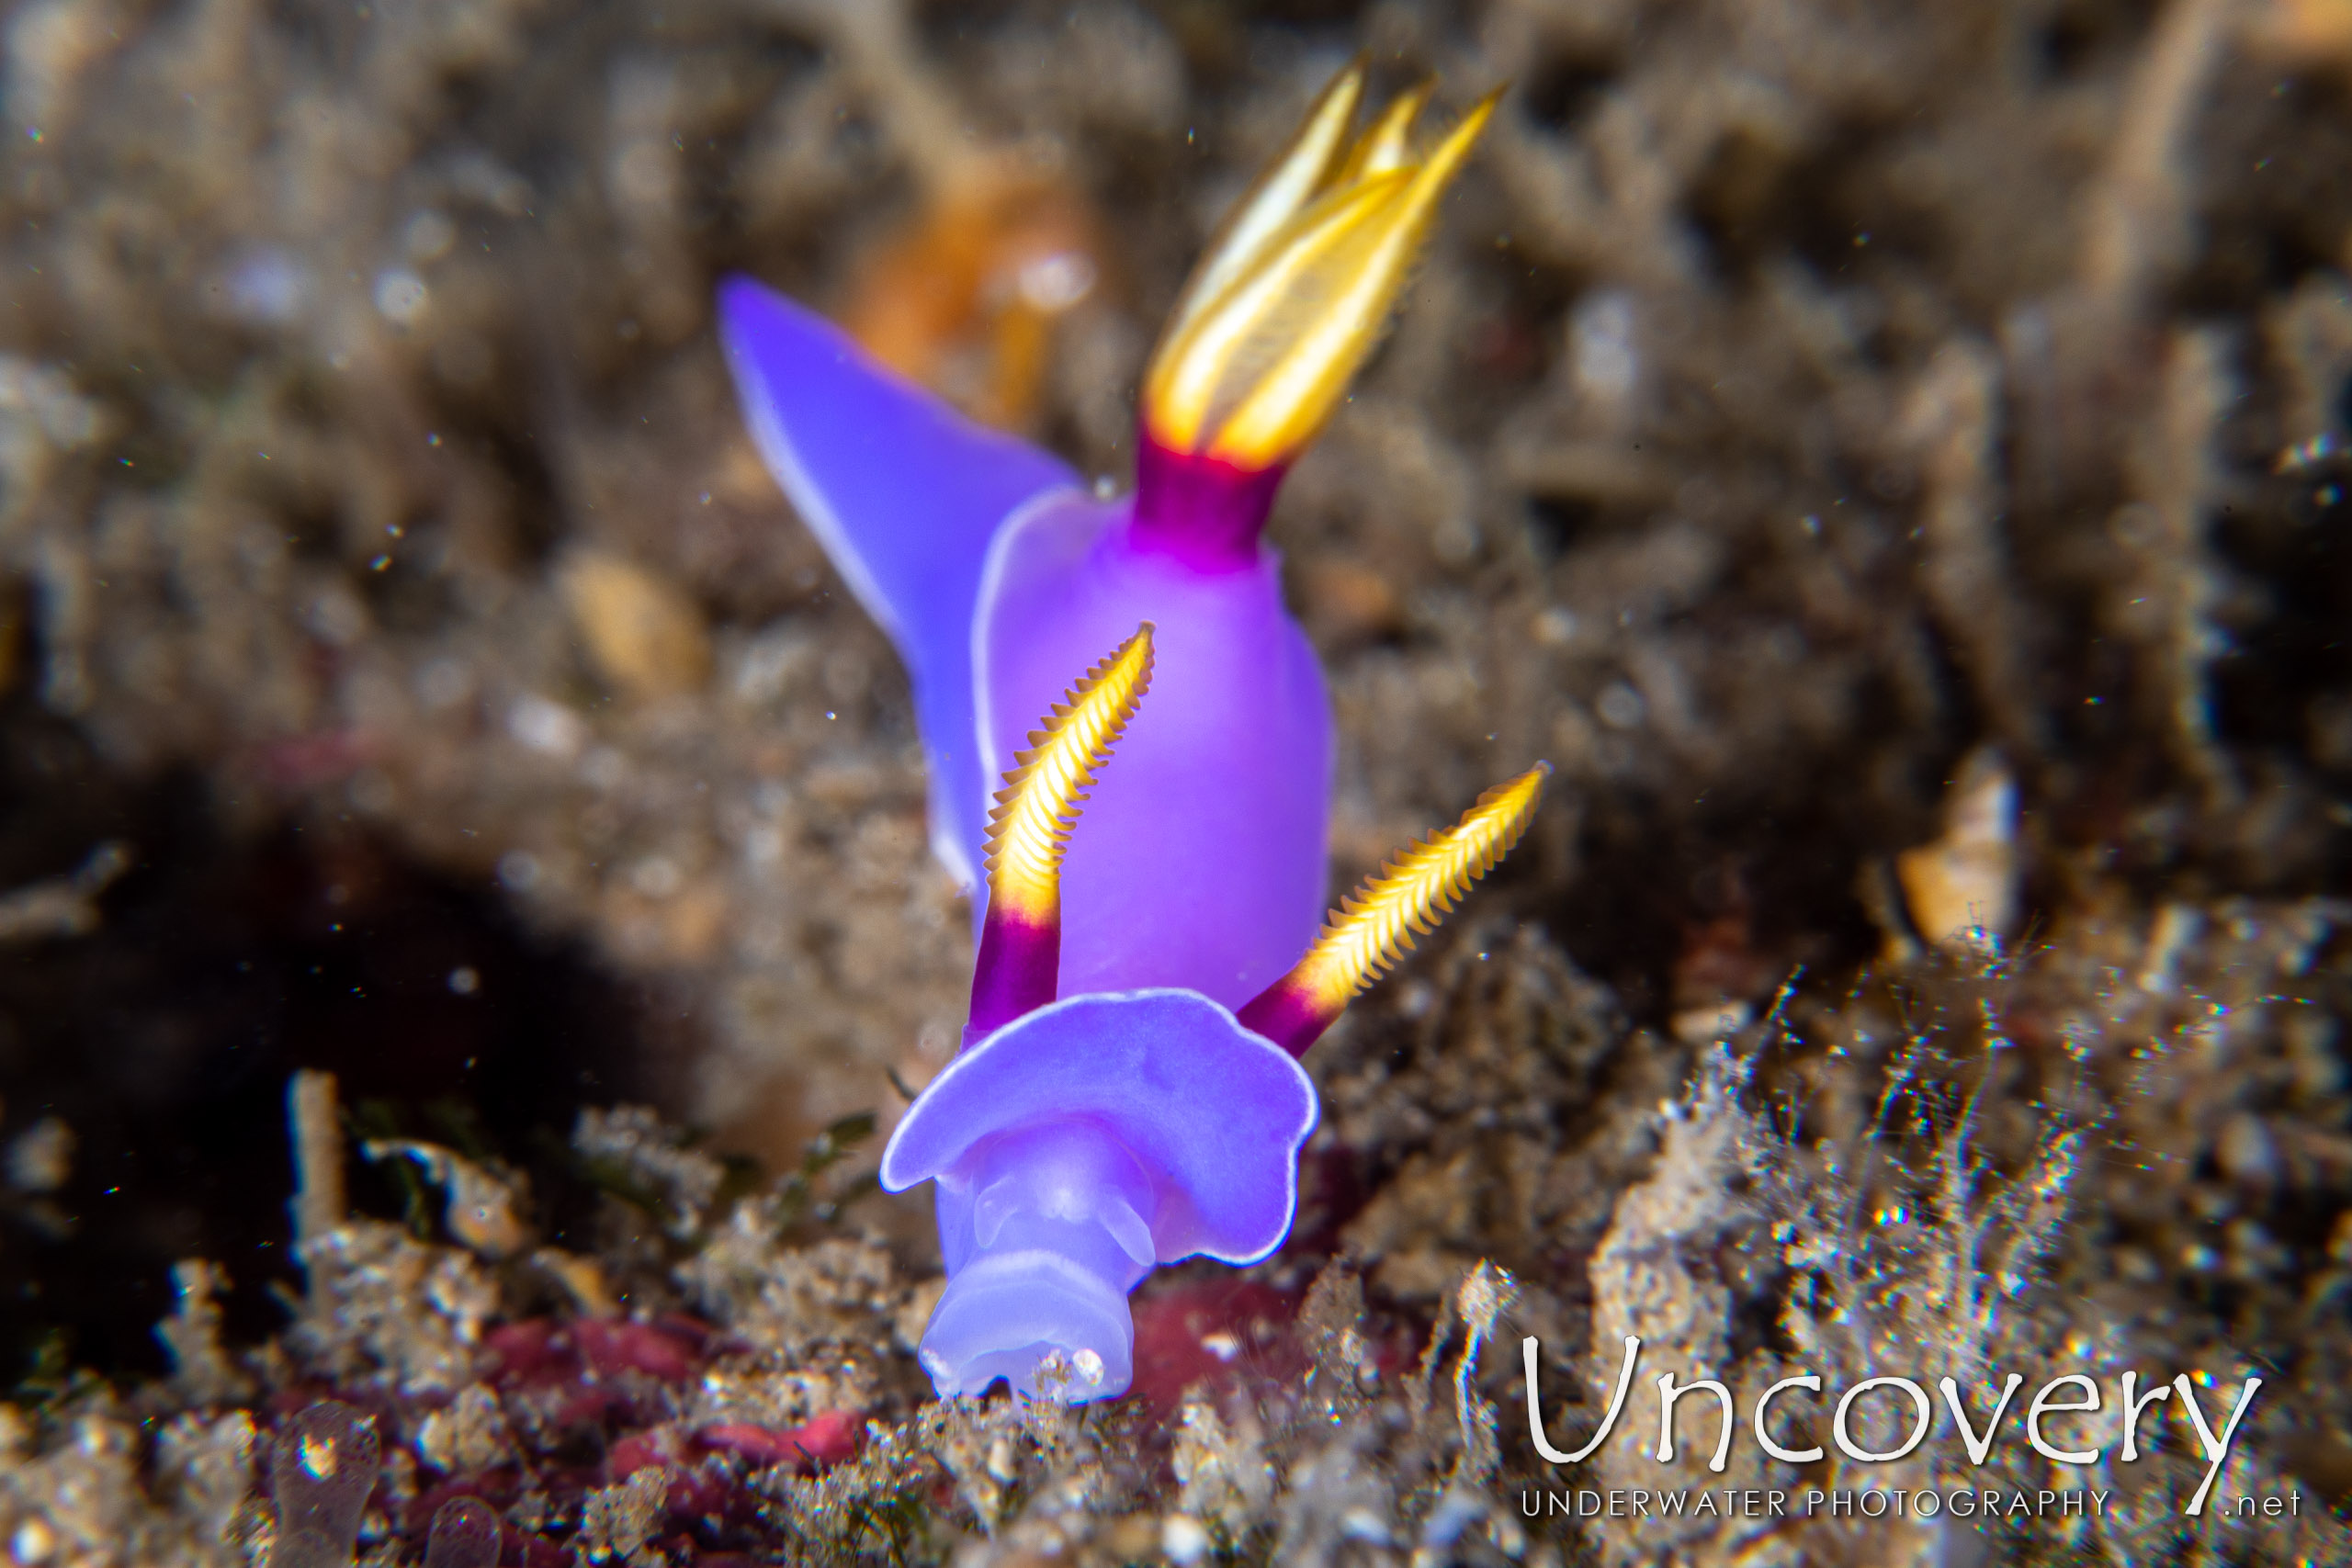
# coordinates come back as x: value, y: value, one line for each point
x: 1019, y: 953
x: 1372, y: 929
x: 905, y: 494
x: 1296, y: 292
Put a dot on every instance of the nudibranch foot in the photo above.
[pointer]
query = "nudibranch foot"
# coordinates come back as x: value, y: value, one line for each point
x: 1076, y: 1149
x: 1013, y: 1315
x: 1051, y: 1224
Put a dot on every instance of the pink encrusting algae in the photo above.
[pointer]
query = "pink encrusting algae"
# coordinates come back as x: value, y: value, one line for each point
x: 1111, y: 1112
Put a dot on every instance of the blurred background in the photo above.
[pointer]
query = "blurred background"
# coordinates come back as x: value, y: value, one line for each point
x: 1890, y: 458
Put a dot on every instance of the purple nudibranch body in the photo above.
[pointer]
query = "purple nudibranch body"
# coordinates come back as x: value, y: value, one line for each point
x: 999, y: 576
x: 1112, y: 1111
x: 1198, y: 881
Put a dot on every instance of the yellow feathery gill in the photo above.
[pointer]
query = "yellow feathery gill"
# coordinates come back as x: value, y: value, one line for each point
x: 1297, y: 288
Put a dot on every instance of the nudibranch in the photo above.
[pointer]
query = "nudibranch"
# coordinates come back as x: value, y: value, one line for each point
x: 997, y: 573
x: 1084, y: 1137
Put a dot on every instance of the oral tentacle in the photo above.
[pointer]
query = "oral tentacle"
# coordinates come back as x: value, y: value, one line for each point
x: 1375, y: 926
x: 1019, y: 965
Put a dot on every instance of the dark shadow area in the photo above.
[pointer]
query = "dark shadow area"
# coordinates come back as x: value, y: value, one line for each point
x: 163, y: 1041
x: 1563, y: 91
x: 1664, y: 897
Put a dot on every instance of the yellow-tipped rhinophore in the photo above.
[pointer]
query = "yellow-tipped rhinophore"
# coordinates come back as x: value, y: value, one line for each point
x: 1029, y: 829
x: 1369, y: 931
x: 1296, y: 290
